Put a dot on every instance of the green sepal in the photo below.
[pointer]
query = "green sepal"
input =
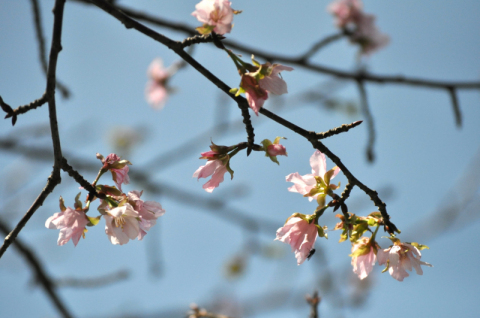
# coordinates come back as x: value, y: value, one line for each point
x: 320, y: 181
x: 205, y: 29
x: 62, y: 204
x: 78, y: 203
x: 328, y: 175
x: 321, y: 200
x: 229, y: 169
x: 298, y: 215
x: 108, y: 189
x: 277, y: 140
x: 266, y: 143
x: 358, y: 231
x: 93, y: 221
x: 321, y: 231
x: 386, y: 268
x: 233, y: 91
x: 343, y: 236
x: 255, y: 62
x: 111, y: 202
x: 274, y: 159
x: 419, y: 246
x: 240, y: 91
x: 365, y: 249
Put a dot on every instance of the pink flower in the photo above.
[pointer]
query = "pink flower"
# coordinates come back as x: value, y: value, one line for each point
x: 272, y: 82
x: 216, y: 14
x: 300, y: 234
x: 149, y: 211
x: 304, y: 184
x: 121, y: 224
x: 214, y: 168
x: 156, y: 92
x: 363, y: 257
x: 256, y: 96
x: 346, y: 11
x: 401, y: 257
x: 117, y: 167
x: 276, y: 150
x: 368, y: 35
x: 71, y: 224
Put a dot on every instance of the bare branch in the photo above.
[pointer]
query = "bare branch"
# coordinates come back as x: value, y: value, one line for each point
x: 369, y: 118
x: 313, y: 301
x: 456, y: 106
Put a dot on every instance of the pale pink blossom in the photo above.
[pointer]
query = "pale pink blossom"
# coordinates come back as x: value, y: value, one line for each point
x: 363, y: 257
x: 301, y: 236
x: 149, y: 211
x: 273, y: 82
x: 118, y: 168
x: 346, y: 11
x: 215, y: 13
x: 156, y: 92
x: 303, y: 184
x: 122, y: 224
x: 368, y: 35
x: 276, y: 150
x: 71, y: 224
x: 399, y: 258
x: 214, y: 168
x: 256, y: 96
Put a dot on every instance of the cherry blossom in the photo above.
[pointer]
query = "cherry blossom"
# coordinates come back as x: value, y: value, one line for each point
x: 276, y: 150
x: 71, y: 224
x: 304, y: 184
x: 217, y: 15
x: 256, y: 96
x: 149, y: 211
x: 363, y: 257
x: 156, y: 92
x: 273, y: 82
x: 118, y: 168
x: 401, y: 257
x: 121, y: 224
x: 368, y: 35
x: 301, y: 236
x: 214, y: 168
x: 346, y: 11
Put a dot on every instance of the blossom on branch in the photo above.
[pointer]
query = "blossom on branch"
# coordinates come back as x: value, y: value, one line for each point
x: 214, y: 168
x: 256, y: 95
x: 316, y: 184
x: 402, y: 257
x: 121, y: 224
x: 216, y: 15
x: 346, y: 11
x: 148, y: 211
x: 300, y: 234
x: 363, y: 256
x: 70, y: 222
x: 272, y: 150
x: 118, y: 168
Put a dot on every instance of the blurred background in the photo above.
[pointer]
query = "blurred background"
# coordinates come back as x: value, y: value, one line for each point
x: 217, y: 249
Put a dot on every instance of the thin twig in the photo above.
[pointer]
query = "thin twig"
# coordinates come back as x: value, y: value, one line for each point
x: 456, y: 106
x: 41, y: 276
x: 41, y: 46
x: 338, y: 130
x: 313, y: 301
x: 369, y: 118
x: 321, y: 44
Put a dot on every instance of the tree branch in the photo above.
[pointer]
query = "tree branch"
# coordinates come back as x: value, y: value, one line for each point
x: 369, y: 118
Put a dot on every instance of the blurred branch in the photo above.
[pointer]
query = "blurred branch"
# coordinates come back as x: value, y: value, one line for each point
x: 54, y: 179
x: 41, y: 46
x: 93, y: 282
x: 369, y: 118
x: 41, y: 277
x: 321, y: 44
x: 299, y: 61
x: 313, y: 301
x: 456, y: 107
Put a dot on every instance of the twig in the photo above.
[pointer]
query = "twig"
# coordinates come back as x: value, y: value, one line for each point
x: 41, y: 46
x: 456, y: 106
x: 338, y: 130
x: 80, y: 180
x: 368, y: 116
x: 321, y: 44
x: 54, y: 179
x: 41, y: 276
x: 313, y: 301
x: 93, y: 282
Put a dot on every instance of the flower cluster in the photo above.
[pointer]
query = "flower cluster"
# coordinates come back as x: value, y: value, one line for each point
x: 300, y: 231
x: 359, y: 25
x: 126, y: 215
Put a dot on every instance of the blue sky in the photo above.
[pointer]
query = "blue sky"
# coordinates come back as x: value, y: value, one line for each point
x: 424, y: 162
